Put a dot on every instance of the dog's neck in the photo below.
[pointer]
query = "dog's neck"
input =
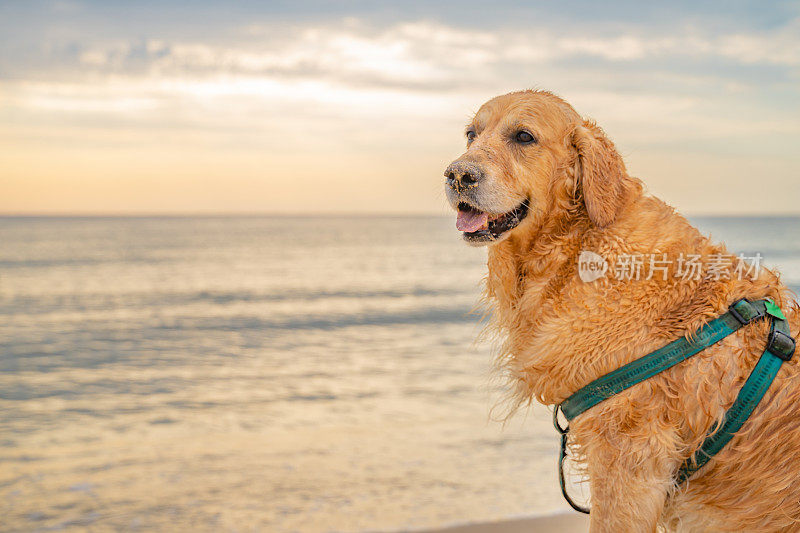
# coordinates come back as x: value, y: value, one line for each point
x: 549, y: 319
x: 538, y: 264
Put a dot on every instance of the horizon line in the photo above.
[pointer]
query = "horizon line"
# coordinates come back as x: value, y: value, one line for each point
x: 332, y: 214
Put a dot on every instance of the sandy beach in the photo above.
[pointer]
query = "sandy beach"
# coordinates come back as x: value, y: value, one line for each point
x: 562, y: 522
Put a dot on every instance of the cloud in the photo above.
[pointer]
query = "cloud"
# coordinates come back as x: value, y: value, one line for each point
x: 421, y: 55
x: 405, y: 66
x: 358, y: 89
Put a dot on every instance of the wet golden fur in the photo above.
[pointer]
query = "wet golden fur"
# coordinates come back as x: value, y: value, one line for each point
x: 559, y: 333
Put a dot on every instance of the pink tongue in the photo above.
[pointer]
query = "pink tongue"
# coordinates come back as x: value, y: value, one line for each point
x: 470, y: 221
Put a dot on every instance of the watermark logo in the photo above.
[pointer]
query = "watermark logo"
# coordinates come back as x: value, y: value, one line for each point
x: 627, y: 267
x: 591, y: 266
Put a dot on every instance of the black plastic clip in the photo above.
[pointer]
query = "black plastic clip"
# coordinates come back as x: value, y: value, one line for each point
x: 781, y: 345
x: 744, y: 311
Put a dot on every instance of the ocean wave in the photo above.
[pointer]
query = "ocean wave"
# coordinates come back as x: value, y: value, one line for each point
x: 43, y: 303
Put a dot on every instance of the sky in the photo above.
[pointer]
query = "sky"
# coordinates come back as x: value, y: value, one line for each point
x: 357, y: 107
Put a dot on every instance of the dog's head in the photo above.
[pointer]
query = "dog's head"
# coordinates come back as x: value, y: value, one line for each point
x: 530, y: 153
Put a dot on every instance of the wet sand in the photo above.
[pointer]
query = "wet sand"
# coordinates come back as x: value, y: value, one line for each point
x: 562, y: 523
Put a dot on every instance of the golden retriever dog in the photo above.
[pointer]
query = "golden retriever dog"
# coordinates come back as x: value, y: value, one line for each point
x: 538, y: 184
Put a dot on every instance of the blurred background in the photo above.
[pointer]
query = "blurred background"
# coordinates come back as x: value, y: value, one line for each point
x: 231, y: 294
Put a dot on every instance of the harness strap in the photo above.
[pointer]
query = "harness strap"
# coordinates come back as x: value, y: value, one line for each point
x: 780, y: 347
x: 740, y: 313
x: 746, y: 401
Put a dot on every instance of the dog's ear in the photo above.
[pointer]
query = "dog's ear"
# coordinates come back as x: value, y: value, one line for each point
x: 602, y: 180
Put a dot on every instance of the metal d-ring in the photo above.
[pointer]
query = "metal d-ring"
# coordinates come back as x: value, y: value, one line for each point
x: 561, y: 430
x: 564, y: 431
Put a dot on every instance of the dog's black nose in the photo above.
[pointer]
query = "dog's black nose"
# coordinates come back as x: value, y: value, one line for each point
x: 463, y: 174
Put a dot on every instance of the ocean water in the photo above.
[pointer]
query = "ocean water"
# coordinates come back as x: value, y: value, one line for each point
x: 265, y: 374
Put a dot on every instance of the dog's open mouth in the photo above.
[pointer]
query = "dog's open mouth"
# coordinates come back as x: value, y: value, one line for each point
x: 479, y: 226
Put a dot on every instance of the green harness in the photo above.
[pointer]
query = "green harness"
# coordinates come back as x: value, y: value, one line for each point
x: 780, y: 348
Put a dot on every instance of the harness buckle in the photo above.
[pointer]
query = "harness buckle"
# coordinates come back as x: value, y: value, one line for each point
x: 744, y: 311
x: 781, y: 345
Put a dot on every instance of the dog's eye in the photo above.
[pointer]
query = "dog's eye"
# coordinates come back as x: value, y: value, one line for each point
x: 471, y: 136
x: 524, y: 137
